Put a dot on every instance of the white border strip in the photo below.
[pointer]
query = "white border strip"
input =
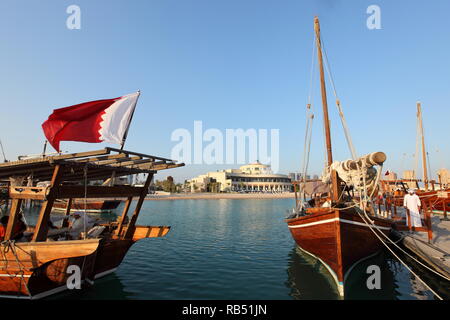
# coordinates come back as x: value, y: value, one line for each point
x: 15, y: 275
x: 336, y: 219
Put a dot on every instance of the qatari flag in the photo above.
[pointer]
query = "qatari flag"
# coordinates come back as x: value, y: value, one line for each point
x: 95, y: 121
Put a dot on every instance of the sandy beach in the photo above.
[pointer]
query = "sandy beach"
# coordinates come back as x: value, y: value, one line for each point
x: 214, y: 196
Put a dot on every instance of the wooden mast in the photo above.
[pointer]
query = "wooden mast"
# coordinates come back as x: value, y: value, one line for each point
x: 424, y: 154
x: 326, y: 120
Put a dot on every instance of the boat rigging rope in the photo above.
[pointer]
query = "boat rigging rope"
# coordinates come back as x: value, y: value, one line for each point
x: 365, y: 216
x: 412, y: 257
x: 416, y: 155
x: 309, y: 123
x: 9, y: 245
x: 338, y: 105
x: 3, y: 151
x: 393, y: 253
x: 425, y: 266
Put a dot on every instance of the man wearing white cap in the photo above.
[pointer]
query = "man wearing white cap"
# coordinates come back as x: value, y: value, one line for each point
x: 412, y: 203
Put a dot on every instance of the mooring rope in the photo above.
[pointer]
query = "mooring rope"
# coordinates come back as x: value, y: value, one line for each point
x: 393, y: 253
x: 9, y: 245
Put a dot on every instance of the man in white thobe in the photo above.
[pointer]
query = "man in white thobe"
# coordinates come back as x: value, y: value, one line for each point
x: 412, y: 203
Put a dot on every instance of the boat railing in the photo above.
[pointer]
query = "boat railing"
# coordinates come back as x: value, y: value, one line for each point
x: 393, y: 207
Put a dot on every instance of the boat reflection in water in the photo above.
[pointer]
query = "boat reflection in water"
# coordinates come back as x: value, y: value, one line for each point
x: 308, y: 279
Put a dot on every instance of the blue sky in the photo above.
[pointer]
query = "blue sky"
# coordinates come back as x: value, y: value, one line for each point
x: 231, y: 64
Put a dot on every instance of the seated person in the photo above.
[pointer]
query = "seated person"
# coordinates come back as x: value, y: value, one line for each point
x: 78, y: 225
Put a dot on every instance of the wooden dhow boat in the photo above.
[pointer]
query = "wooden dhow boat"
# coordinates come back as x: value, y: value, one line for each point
x: 337, y: 227
x: 435, y: 196
x: 44, y: 261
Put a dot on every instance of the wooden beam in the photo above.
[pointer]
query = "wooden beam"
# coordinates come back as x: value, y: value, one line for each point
x: 424, y: 157
x: 31, y: 193
x: 124, y: 215
x: 133, y: 162
x: 138, y: 154
x: 124, y: 159
x: 158, y: 167
x: 324, y: 94
x: 40, y: 232
x: 65, y: 222
x: 65, y: 192
x: 51, y: 159
x: 131, y: 225
x: 13, y: 218
x: 102, y: 158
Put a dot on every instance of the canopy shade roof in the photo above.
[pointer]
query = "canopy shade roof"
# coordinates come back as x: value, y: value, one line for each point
x: 93, y: 165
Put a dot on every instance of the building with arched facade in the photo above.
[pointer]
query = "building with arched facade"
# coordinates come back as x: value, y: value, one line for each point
x: 254, y: 177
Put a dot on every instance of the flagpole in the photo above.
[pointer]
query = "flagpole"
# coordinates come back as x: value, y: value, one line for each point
x: 129, y: 122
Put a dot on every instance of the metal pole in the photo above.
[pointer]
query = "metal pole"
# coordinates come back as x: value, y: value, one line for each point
x: 3, y: 152
x: 45, y: 148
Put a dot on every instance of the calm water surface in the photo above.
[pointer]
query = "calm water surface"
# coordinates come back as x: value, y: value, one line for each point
x: 232, y: 249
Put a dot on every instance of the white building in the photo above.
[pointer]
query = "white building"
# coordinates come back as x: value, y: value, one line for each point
x: 250, y: 178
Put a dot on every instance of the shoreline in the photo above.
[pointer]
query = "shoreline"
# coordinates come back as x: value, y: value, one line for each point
x: 217, y: 196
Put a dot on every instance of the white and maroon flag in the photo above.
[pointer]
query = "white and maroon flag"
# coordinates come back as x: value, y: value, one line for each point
x: 94, y: 121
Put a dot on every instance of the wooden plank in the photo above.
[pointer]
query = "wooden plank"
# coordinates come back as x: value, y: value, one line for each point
x: 142, y: 232
x: 138, y: 154
x: 65, y: 222
x: 103, y: 158
x: 427, y: 217
x: 40, y: 233
x: 26, y: 170
x: 32, y: 193
x: 130, y: 229
x: 132, y: 163
x: 159, y: 167
x: 65, y: 192
x: 51, y: 159
x: 13, y: 218
x: 124, y: 215
x: 124, y: 159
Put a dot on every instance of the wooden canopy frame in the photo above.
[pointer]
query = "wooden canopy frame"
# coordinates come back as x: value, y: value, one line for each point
x: 65, y: 171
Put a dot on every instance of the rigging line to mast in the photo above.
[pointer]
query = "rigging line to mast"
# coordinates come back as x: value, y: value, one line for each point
x: 395, y: 244
x: 309, y: 116
x: 3, y: 151
x: 412, y: 257
x: 416, y: 155
x: 429, y: 166
x: 312, y: 73
x: 338, y: 105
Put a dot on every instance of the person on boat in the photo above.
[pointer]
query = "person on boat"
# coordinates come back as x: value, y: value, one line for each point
x: 79, y: 224
x: 3, y: 224
x: 412, y: 203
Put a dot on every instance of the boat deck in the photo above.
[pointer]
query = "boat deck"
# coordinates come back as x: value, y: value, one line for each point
x: 436, y: 253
